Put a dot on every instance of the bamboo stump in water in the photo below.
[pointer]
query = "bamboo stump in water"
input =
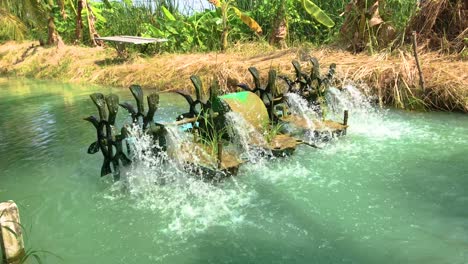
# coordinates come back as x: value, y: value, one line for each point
x: 11, y: 235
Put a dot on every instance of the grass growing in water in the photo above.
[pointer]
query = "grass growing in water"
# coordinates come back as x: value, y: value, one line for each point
x: 29, y: 253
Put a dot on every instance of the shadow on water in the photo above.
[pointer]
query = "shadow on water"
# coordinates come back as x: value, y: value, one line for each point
x: 292, y: 236
x: 445, y: 189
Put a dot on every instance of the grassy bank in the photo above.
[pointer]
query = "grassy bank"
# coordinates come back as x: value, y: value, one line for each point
x: 392, y: 78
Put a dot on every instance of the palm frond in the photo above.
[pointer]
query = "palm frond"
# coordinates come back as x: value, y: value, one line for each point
x: 11, y: 27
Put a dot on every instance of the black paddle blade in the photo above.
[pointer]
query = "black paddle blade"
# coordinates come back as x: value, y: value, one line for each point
x: 138, y: 95
x: 115, y: 165
x: 112, y: 102
x: 271, y: 86
x: 106, y: 168
x: 93, y: 120
x: 125, y: 161
x: 256, y: 77
x: 130, y: 108
x: 93, y: 148
x: 153, y: 103
x: 330, y: 74
x: 188, y: 98
x: 244, y: 87
x: 214, y: 90
x: 197, y: 83
x: 315, y: 71
x: 100, y: 102
x: 297, y: 69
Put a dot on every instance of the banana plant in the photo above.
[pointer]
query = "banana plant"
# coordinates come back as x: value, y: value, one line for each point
x: 280, y: 29
x: 228, y: 9
x: 91, y: 14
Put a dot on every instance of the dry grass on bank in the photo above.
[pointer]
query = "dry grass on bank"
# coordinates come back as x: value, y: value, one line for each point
x: 393, y: 78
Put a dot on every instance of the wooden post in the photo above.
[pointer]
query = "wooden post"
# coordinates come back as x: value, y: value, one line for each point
x: 11, y: 234
x: 195, y: 133
x: 220, y: 154
x: 415, y: 51
x: 345, y: 120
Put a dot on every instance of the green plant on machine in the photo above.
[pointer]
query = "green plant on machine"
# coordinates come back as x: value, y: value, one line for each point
x: 211, y: 131
x: 228, y: 9
x: 212, y: 134
x: 271, y: 131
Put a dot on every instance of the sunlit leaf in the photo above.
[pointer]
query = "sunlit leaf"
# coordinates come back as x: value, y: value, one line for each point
x: 167, y: 14
x: 253, y: 25
x: 317, y: 13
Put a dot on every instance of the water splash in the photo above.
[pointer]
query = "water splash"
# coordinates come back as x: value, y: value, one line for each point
x: 299, y: 106
x: 185, y: 204
x: 348, y: 98
x: 181, y: 149
x: 312, y: 116
x: 250, y: 141
x: 364, y: 117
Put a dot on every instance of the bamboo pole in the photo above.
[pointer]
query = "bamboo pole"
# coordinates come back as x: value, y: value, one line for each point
x: 415, y: 51
x: 220, y: 154
x: 11, y: 234
x: 345, y: 121
x: 187, y: 120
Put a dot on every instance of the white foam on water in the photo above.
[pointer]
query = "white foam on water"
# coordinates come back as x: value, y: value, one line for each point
x: 185, y: 203
x: 364, y: 118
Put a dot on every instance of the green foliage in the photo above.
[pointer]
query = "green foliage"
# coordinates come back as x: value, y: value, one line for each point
x: 123, y: 19
x: 272, y: 130
x: 371, y: 24
x: 228, y: 11
x: 315, y: 21
x: 213, y: 135
x: 301, y: 24
x: 18, y: 17
x: 398, y: 12
x: 11, y: 27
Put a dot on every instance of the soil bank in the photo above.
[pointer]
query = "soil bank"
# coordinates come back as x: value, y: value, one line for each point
x: 393, y: 78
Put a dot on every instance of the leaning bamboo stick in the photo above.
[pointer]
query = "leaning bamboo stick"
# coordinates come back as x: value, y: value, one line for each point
x: 415, y: 50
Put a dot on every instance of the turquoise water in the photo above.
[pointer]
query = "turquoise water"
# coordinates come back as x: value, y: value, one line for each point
x: 394, y: 190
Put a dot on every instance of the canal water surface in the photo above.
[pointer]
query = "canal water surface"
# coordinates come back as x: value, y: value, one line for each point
x: 394, y: 190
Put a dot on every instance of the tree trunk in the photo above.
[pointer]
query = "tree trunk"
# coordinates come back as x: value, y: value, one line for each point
x: 224, y: 40
x: 79, y: 22
x: 224, y: 34
x: 93, y: 34
x: 53, y: 36
x: 279, y: 31
x: 279, y: 34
